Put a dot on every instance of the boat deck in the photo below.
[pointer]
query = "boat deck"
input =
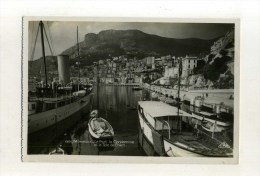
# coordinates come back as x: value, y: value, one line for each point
x: 200, y: 143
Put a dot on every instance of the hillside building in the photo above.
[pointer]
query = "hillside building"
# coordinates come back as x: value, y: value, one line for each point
x: 188, y: 64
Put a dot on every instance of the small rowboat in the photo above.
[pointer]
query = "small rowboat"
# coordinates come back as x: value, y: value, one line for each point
x: 100, y: 129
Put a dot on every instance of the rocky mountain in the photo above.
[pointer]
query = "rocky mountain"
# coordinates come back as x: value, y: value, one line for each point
x: 135, y: 43
x: 219, y: 65
x: 218, y: 53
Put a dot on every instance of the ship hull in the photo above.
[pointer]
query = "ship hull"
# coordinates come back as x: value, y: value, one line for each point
x: 175, y: 151
x: 160, y: 144
x: 169, y: 149
x: 39, y: 121
x: 146, y: 129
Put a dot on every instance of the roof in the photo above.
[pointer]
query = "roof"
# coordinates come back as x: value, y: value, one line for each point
x: 158, y: 109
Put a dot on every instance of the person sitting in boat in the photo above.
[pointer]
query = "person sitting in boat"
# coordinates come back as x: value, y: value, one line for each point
x: 99, y: 125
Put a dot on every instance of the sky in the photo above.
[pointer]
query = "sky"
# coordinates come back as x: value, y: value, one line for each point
x: 63, y: 35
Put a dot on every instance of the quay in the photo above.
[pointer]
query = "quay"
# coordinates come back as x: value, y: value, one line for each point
x: 212, y: 98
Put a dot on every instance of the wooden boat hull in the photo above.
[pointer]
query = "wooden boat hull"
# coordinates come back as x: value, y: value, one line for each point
x: 100, y: 136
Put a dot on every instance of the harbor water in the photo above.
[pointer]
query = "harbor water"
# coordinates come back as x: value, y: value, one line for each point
x: 117, y: 104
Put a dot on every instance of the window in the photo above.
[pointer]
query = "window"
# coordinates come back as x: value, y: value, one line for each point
x: 33, y: 106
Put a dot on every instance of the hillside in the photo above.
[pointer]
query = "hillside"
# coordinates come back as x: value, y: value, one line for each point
x: 132, y: 43
x: 219, y: 64
x: 135, y: 43
x: 37, y: 67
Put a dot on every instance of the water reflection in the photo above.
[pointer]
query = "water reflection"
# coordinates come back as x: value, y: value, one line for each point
x: 117, y: 105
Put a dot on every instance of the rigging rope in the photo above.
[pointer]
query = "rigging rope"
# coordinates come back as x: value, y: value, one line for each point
x: 33, y: 51
x: 51, y: 40
x: 47, y: 40
x: 32, y: 38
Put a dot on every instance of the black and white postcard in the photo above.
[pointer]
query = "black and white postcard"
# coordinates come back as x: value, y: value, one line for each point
x: 130, y: 90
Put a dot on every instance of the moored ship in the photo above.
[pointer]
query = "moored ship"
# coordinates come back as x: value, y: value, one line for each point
x: 52, y: 103
x: 172, y: 132
x: 169, y: 131
x: 49, y: 111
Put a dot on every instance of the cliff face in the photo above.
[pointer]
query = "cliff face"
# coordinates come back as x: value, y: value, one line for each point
x: 219, y: 65
x: 135, y: 43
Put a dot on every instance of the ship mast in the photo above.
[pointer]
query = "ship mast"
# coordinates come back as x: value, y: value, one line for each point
x: 78, y: 56
x: 43, y: 53
x: 178, y: 100
x: 98, y: 85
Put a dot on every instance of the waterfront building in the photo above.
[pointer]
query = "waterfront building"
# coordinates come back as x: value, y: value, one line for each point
x: 110, y: 64
x: 109, y: 80
x: 148, y: 60
x: 168, y: 63
x: 153, y: 66
x: 163, y: 58
x: 168, y: 57
x: 188, y: 64
x: 123, y: 80
x: 158, y: 62
x: 137, y: 79
x: 114, y: 66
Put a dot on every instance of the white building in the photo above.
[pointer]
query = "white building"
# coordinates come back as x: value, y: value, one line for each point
x: 171, y: 72
x: 109, y: 80
x: 149, y: 60
x: 101, y: 62
x: 188, y: 64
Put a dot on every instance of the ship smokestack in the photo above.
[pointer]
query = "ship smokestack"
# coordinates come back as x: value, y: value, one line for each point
x: 63, y: 69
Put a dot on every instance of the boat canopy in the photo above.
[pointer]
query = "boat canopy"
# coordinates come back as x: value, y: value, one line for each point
x: 160, y: 109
